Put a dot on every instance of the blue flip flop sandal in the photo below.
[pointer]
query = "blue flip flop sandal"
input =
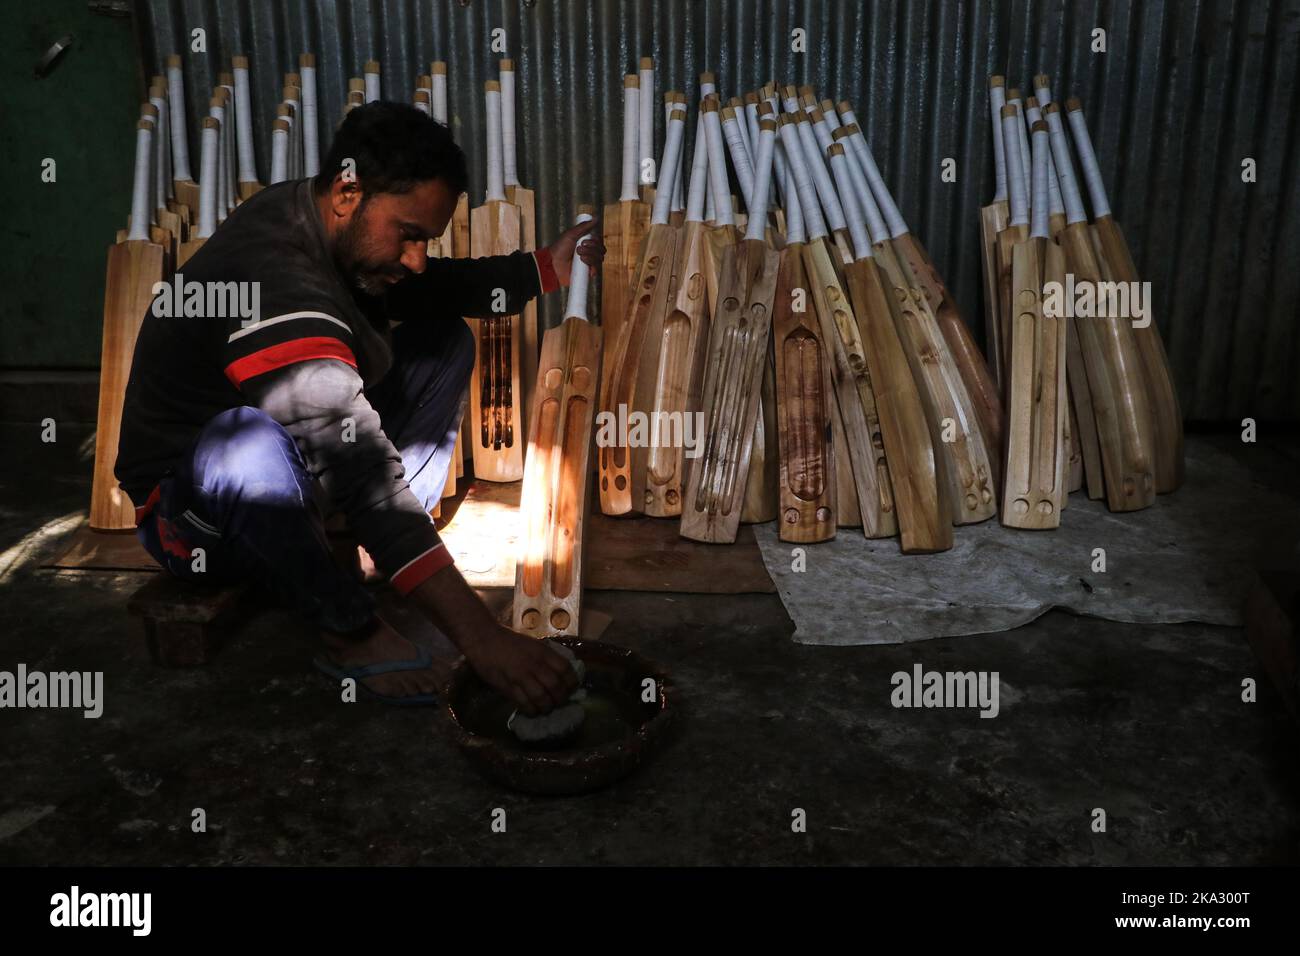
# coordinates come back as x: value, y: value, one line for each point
x: 421, y: 661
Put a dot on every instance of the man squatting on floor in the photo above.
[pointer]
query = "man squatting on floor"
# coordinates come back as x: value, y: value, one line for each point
x: 232, y: 430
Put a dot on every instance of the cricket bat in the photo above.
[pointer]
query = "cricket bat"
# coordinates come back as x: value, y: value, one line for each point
x: 763, y: 482
x: 183, y: 184
x: 164, y: 214
x: 625, y: 225
x: 645, y: 138
x: 1037, y: 412
x: 624, y: 389
x: 134, y: 266
x: 854, y: 392
x: 918, y: 271
x: 557, y: 476
x: 209, y: 136
x: 1117, y: 266
x: 669, y: 374
x: 279, y: 150
x: 1111, y: 362
x: 525, y: 200
x: 804, y: 395
x: 721, y: 233
x: 993, y: 219
x: 249, y: 184
x: 738, y: 347
x: 496, y: 431
x: 924, y: 515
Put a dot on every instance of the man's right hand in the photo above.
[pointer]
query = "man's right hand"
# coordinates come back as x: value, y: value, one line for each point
x: 534, y: 677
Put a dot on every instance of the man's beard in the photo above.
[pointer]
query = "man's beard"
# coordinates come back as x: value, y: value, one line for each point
x: 350, y: 258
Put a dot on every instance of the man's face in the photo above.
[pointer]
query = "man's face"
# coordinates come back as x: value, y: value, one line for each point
x: 382, y: 238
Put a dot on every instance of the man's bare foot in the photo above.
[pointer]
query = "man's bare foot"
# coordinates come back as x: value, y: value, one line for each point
x: 383, y: 645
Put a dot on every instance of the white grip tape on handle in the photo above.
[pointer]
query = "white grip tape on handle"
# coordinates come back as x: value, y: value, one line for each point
x: 751, y: 126
x: 1065, y: 170
x: 740, y: 160
x: 1044, y: 96
x: 244, y: 122
x: 575, y: 307
x: 1038, y: 198
x: 180, y: 145
x: 1018, y: 200
x: 631, y: 146
x: 310, y: 127
x: 496, y: 188
x: 681, y: 154
x: 672, y: 149
x: 997, y: 100
x: 142, y: 183
x: 695, y: 198
x: 884, y: 198
x: 1022, y: 139
x: 279, y: 155
x: 158, y: 169
x: 823, y: 133
x: 814, y: 224
x: 510, y: 172
x: 228, y: 139
x: 710, y: 200
x: 766, y: 146
x: 821, y: 177
x: 219, y: 114
x: 877, y: 229
x: 645, y: 174
x: 438, y: 103
x: 848, y: 196
x: 372, y: 87
x: 719, y: 187
x: 1032, y: 115
x: 208, y: 178
x: 1088, y: 162
x: 794, y: 231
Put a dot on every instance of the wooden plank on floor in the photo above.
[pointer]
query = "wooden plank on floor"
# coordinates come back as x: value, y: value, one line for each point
x: 482, y: 529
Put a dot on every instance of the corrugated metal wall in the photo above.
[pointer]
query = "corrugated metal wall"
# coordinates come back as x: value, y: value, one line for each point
x: 1185, y: 92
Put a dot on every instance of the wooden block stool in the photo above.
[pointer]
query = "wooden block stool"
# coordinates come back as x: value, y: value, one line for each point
x: 184, y: 623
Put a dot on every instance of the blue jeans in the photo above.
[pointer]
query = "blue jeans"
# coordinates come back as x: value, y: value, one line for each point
x: 261, y: 524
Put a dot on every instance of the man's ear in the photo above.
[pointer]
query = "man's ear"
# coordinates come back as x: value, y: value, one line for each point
x: 345, y: 196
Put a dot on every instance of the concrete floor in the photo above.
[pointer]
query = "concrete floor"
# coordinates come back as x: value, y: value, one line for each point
x: 1145, y: 722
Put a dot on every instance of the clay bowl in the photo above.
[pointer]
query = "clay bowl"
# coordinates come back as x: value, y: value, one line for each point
x: 619, y: 734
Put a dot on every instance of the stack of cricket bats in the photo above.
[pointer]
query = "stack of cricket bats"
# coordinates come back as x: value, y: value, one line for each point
x: 1089, y: 396
x: 789, y: 352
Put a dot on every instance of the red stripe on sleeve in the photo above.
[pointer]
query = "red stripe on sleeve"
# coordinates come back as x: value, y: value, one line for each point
x: 288, y: 353
x: 416, y: 572
x: 546, y: 271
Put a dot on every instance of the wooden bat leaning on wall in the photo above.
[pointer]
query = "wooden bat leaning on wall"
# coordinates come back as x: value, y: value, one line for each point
x: 1112, y: 366
x: 985, y: 397
x: 496, y: 434
x: 669, y: 374
x: 738, y: 345
x: 924, y: 514
x: 851, y: 378
x: 625, y: 390
x: 1117, y: 266
x: 135, y: 265
x: 1036, y: 397
x: 557, y: 476
x: 804, y: 396
x: 625, y: 225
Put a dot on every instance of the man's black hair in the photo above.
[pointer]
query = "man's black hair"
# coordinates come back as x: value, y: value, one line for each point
x: 394, y: 146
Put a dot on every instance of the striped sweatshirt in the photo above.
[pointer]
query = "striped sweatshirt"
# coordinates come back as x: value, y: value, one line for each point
x: 304, y: 358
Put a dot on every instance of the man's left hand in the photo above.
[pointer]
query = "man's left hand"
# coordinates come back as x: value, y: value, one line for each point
x: 591, y: 250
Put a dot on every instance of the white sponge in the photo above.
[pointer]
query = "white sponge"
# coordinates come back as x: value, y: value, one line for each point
x: 561, y: 721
